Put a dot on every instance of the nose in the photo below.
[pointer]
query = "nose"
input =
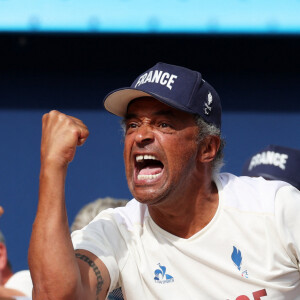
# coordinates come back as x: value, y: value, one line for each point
x: 144, y: 135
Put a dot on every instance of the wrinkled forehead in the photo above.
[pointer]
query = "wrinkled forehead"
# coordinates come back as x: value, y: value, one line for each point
x: 151, y: 108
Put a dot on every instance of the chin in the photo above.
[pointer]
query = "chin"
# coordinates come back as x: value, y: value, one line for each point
x: 149, y: 196
x: 144, y: 197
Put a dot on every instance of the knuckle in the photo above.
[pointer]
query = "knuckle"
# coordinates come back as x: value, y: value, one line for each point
x: 45, y: 117
x: 62, y: 117
x: 53, y: 112
x: 75, y: 131
x: 68, y: 122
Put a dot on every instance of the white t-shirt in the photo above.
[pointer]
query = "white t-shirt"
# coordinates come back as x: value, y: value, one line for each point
x: 21, y: 281
x: 249, y: 250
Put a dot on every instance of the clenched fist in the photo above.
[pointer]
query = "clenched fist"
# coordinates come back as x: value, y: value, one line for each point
x: 61, y: 134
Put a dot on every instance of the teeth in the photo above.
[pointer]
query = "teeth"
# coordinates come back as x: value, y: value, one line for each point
x: 140, y: 158
x: 143, y: 177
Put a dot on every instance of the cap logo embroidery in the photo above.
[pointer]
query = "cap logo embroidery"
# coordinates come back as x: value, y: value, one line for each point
x: 269, y: 158
x: 207, y: 108
x: 159, y: 77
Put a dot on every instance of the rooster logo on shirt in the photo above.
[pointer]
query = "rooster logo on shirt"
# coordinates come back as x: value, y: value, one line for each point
x: 161, y: 276
x: 237, y: 258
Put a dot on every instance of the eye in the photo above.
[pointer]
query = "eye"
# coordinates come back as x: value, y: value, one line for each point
x: 130, y: 126
x: 164, y: 125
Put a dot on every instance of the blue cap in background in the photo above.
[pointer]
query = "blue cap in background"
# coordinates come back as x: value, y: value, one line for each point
x: 275, y: 163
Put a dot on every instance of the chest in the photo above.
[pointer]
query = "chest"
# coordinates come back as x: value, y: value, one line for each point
x: 225, y: 262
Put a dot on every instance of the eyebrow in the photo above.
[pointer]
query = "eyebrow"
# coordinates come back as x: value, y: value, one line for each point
x: 158, y: 113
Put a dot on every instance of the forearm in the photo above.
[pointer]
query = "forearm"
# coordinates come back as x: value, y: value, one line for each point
x: 52, y: 262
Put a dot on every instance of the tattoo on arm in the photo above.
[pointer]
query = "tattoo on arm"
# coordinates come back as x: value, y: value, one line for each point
x: 95, y: 269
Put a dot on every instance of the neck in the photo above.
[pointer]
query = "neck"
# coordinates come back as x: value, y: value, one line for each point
x: 188, y: 213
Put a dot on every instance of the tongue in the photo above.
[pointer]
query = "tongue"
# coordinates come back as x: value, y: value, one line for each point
x: 150, y: 170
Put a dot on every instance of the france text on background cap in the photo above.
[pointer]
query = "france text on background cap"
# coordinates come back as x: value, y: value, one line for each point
x: 275, y: 162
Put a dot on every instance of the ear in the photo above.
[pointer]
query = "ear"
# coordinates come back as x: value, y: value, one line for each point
x: 3, y: 256
x: 209, y: 148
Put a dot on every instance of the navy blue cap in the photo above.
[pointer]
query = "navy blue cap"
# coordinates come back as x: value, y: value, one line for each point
x: 175, y: 86
x: 275, y: 162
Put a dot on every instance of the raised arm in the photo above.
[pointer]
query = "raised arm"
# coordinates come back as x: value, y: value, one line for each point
x: 55, y: 270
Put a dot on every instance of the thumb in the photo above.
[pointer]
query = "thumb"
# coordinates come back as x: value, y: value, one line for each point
x: 84, y: 133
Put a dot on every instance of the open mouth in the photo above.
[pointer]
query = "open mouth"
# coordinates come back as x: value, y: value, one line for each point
x: 148, y: 167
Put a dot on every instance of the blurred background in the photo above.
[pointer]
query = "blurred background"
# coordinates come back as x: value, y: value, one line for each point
x: 68, y: 54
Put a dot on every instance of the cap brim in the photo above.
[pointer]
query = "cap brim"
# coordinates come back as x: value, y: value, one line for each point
x: 117, y: 101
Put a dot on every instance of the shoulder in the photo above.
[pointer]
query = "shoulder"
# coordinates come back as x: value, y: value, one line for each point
x: 134, y: 213
x: 249, y: 193
x: 288, y: 203
x: 131, y: 215
x: 287, y: 207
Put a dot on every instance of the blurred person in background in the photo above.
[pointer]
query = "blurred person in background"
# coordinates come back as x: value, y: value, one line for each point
x: 87, y: 214
x: 275, y: 163
x: 12, y: 285
x: 89, y: 211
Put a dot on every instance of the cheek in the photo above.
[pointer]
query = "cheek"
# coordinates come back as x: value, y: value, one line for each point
x: 182, y: 153
x: 181, y: 145
x: 125, y: 157
x: 126, y: 152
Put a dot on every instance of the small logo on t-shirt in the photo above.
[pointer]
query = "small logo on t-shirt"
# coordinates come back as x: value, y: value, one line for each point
x: 237, y: 258
x: 161, y: 276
